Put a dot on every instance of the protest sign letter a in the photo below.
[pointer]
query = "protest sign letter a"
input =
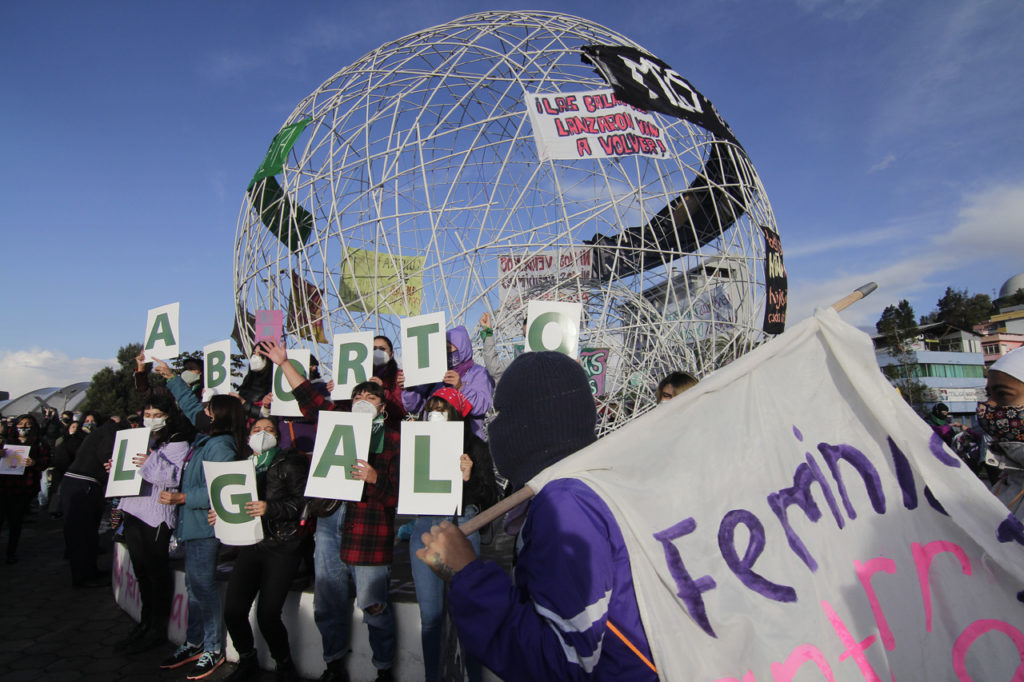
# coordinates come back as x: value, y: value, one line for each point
x: 353, y: 362
x: 424, y: 351
x: 341, y: 439
x: 217, y: 363
x: 553, y: 326
x: 162, y: 333
x: 429, y: 478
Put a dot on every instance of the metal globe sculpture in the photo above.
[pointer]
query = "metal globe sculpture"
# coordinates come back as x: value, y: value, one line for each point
x: 414, y: 181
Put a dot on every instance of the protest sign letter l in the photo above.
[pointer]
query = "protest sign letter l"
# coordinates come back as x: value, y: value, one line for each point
x: 120, y: 473
x: 422, y: 483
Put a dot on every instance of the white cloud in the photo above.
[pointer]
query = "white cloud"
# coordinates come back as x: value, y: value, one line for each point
x: 988, y: 231
x: 883, y: 164
x: 28, y: 370
x: 850, y: 10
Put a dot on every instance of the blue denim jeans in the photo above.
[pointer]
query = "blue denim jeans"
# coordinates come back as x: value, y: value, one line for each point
x: 430, y: 596
x: 332, y: 603
x: 205, y: 610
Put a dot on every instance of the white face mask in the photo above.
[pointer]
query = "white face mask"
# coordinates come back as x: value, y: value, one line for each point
x: 380, y: 357
x: 436, y: 416
x: 364, y: 407
x: 261, y: 441
x: 154, y: 423
x: 257, y: 363
x: 190, y: 376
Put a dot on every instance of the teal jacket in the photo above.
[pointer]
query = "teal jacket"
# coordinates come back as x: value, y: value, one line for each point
x: 192, y: 521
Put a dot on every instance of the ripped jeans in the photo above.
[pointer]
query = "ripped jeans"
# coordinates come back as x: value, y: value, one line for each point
x: 332, y: 603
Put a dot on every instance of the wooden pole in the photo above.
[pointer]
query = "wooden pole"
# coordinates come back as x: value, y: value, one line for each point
x: 525, y: 493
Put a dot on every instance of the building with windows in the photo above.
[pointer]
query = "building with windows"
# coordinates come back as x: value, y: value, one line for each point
x: 947, y: 361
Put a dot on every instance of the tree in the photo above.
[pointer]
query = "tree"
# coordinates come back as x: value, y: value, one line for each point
x: 960, y: 309
x: 1016, y: 298
x: 899, y: 331
x: 112, y: 391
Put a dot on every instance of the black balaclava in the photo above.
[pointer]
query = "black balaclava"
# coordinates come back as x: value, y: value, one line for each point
x: 546, y: 412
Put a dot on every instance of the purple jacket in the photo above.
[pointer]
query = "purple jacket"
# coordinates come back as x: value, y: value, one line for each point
x: 573, y: 577
x: 477, y: 384
x: 161, y: 471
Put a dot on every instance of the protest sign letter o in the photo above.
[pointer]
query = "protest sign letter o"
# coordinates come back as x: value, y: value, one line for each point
x: 536, y: 331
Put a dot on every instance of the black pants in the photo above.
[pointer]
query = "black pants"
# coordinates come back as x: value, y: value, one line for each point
x: 147, y: 547
x: 269, y: 571
x: 13, y: 509
x: 82, y: 503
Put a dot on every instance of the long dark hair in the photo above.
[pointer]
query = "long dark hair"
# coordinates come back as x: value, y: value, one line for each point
x: 33, y: 435
x: 229, y: 419
x: 389, y: 371
x: 173, y: 430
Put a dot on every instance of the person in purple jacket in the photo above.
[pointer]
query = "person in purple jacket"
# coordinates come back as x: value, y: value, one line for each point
x: 571, y: 612
x: 148, y: 524
x: 464, y: 375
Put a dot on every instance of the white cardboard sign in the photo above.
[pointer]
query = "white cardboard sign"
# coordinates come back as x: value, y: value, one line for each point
x: 230, y: 485
x: 424, y: 349
x: 554, y: 325
x: 13, y: 462
x: 124, y: 479
x: 285, y: 404
x: 341, y: 439
x: 353, y: 362
x: 161, y: 340
x: 217, y: 367
x: 429, y: 479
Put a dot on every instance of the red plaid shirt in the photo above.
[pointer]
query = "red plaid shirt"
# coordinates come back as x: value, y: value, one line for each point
x: 368, y: 534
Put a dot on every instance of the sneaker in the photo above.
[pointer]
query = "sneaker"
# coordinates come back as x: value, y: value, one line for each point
x: 207, y: 663
x: 384, y: 675
x: 186, y: 653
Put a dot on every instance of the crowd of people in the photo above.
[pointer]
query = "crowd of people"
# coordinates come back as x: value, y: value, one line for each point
x: 545, y: 623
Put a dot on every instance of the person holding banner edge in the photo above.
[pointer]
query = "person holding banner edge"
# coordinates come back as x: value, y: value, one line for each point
x: 571, y: 613
x: 479, y: 492
x: 357, y: 539
x: 225, y: 439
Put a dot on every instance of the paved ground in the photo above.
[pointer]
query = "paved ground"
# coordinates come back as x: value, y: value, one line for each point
x: 50, y: 632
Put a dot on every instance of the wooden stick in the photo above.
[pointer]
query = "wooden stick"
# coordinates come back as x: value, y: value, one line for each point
x: 858, y: 294
x: 525, y: 493
x: 491, y: 513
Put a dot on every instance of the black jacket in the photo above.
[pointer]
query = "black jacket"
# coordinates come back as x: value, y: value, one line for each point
x: 283, y: 487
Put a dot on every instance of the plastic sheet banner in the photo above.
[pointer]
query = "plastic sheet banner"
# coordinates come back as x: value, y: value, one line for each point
x: 377, y: 281
x: 591, y: 125
x: 791, y: 518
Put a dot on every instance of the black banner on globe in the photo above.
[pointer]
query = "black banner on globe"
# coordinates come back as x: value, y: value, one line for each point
x: 776, y: 287
x: 646, y: 82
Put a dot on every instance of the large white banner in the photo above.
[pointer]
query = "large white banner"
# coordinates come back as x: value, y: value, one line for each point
x: 592, y: 125
x: 124, y: 479
x: 231, y: 485
x: 429, y: 477
x: 798, y: 521
x: 542, y: 275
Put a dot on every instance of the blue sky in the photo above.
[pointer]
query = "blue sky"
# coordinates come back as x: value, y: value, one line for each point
x: 888, y: 136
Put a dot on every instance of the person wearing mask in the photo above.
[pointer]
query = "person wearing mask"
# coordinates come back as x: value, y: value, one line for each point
x: 83, y: 501
x: 386, y: 373
x: 256, y: 386
x: 268, y: 567
x: 191, y: 374
x: 357, y: 539
x: 674, y: 384
x: 16, y: 492
x: 464, y: 375
x: 63, y: 456
x: 479, y: 491
x: 1001, y: 416
x: 571, y: 611
x: 223, y: 440
x: 148, y: 524
x: 938, y: 419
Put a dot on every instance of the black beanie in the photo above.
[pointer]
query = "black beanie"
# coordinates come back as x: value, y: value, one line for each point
x: 546, y: 412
